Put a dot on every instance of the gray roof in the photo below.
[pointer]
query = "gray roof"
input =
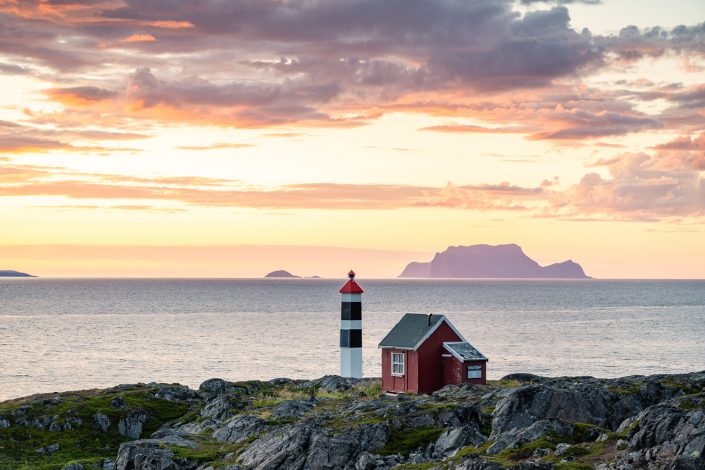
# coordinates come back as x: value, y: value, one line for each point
x: 411, y: 329
x: 464, y: 351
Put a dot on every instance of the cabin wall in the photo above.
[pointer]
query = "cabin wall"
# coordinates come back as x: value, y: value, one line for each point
x: 482, y: 380
x: 430, y: 366
x: 391, y: 383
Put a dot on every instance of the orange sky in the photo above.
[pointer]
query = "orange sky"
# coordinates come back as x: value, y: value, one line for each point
x: 231, y: 139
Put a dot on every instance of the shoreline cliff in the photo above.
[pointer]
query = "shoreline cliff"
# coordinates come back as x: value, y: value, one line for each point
x: 521, y: 421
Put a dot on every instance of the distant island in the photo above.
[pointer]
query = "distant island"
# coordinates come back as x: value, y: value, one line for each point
x: 489, y: 261
x: 10, y: 273
x: 281, y: 273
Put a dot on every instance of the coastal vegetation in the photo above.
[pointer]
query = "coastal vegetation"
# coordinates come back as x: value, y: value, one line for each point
x: 520, y: 421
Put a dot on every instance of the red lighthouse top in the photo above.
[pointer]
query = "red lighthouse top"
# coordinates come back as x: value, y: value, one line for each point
x: 351, y: 287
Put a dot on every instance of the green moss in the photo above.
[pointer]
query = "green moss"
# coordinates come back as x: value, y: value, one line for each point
x: 403, y: 441
x: 347, y: 423
x: 628, y: 390
x: 416, y: 466
x: 209, y: 450
x: 573, y: 466
x: 505, y: 383
x: 691, y: 405
x: 85, y: 443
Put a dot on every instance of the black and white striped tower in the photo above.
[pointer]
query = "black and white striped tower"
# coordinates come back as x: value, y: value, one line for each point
x: 351, y: 329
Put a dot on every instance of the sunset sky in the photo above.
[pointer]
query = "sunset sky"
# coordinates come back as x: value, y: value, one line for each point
x: 232, y: 138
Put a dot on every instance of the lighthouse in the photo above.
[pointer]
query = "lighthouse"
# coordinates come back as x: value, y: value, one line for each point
x: 351, y: 329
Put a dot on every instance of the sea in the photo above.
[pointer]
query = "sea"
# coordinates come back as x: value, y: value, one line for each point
x: 70, y: 334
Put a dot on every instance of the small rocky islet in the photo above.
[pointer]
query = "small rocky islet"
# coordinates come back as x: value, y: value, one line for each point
x: 522, y: 421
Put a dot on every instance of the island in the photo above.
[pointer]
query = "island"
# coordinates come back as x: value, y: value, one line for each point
x: 281, y: 273
x: 10, y: 273
x: 522, y: 421
x: 490, y: 262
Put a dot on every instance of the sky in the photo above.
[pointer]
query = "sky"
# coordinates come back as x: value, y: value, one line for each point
x: 231, y: 138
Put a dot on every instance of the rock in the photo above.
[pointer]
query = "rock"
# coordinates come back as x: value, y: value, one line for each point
x: 216, y: 386
x: 222, y: 406
x: 584, y: 401
x: 118, y: 403
x: 4, y: 424
x: 57, y: 425
x: 174, y: 392
x: 101, y: 421
x: 108, y: 464
x: 131, y: 425
x: 518, y: 436
x: 332, y: 383
x: 292, y: 409
x: 456, y: 438
x: 523, y: 378
x: 240, y: 429
x: 50, y: 449
x: 152, y: 454
x: 561, y: 449
x: 74, y: 466
x: 283, y: 448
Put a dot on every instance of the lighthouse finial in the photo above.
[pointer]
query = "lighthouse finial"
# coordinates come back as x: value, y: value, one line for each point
x: 351, y: 274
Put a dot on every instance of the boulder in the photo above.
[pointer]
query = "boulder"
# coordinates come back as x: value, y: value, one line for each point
x: 222, y: 406
x: 118, y: 403
x: 332, y: 383
x: 240, y: 429
x: 74, y: 466
x: 581, y: 401
x: 101, y: 421
x: 456, y: 438
x: 153, y: 454
x: 50, y: 449
x: 516, y: 437
x: 131, y: 425
x: 282, y: 448
x: 4, y: 424
x: 292, y: 409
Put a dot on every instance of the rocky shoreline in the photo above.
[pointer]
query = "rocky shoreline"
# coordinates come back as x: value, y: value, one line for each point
x: 521, y: 421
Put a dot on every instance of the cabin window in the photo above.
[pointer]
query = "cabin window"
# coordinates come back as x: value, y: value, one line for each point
x: 397, y: 363
x: 474, y: 372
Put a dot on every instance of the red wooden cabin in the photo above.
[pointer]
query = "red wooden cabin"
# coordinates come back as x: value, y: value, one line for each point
x: 423, y: 353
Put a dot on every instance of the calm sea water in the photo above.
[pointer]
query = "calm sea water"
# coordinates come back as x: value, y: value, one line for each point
x: 64, y: 334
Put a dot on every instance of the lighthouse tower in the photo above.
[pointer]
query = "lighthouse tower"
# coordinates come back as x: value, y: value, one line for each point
x: 351, y: 329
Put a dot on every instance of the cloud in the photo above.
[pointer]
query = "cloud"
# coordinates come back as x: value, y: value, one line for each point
x: 80, y: 94
x: 139, y: 38
x: 216, y: 146
x: 638, y: 188
x: 472, y: 129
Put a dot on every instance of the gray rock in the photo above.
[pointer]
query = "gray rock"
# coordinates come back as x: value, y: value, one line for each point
x: 561, y: 449
x: 518, y: 436
x: 118, y: 403
x: 222, y: 406
x: 74, y: 466
x: 456, y: 438
x: 291, y: 409
x: 176, y: 393
x: 216, y: 387
x: 153, y: 454
x: 108, y: 464
x: 67, y: 424
x: 4, y: 424
x: 101, y: 421
x: 50, y: 449
x: 581, y: 401
x: 283, y: 448
x: 131, y: 425
x: 240, y: 429
x: 332, y: 383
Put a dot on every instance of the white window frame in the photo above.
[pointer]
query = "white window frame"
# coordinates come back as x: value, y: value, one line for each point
x: 476, y: 372
x: 398, y: 364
